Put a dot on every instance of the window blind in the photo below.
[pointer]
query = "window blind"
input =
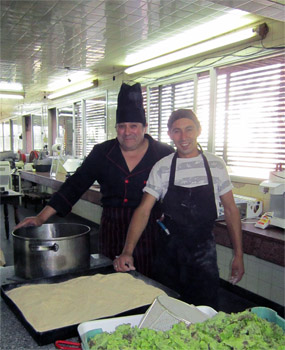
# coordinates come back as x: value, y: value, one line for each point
x: 95, y: 123
x: 65, y: 128
x: 163, y: 100
x: 250, y: 125
x: 78, y: 123
x: 203, y: 108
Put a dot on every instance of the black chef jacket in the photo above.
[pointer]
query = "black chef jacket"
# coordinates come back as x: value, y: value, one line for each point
x: 106, y: 164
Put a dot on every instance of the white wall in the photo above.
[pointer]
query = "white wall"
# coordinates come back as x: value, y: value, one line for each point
x: 261, y: 277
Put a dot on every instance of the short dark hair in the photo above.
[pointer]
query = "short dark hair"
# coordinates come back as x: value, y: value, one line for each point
x: 183, y: 113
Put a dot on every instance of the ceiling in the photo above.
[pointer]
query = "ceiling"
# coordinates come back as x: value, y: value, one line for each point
x: 42, y: 41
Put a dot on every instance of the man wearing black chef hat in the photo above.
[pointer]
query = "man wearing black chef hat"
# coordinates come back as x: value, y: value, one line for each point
x: 121, y: 166
x: 190, y: 184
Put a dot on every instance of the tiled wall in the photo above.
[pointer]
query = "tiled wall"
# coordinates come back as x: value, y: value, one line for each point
x: 261, y: 277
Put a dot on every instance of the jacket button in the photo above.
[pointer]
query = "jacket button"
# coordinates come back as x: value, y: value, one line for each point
x: 126, y: 181
x: 125, y: 200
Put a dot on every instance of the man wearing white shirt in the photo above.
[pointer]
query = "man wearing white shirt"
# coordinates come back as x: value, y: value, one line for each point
x: 190, y: 185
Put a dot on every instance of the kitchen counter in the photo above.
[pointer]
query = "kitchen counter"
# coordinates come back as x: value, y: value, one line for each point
x: 268, y: 244
x: 92, y: 195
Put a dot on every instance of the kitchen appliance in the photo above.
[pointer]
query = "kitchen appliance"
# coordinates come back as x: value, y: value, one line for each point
x: 51, y: 249
x: 58, y: 158
x: 5, y: 176
x: 249, y: 207
x: 275, y: 185
x: 42, y: 165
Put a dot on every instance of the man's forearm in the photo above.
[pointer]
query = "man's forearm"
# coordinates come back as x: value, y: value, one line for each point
x: 234, y: 229
x: 46, y: 213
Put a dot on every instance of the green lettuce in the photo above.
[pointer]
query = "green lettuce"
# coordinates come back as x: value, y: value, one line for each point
x: 236, y: 331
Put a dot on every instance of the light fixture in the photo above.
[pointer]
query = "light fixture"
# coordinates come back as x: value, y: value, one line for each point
x: 193, y: 50
x: 7, y: 86
x: 73, y: 88
x: 11, y: 90
x: 11, y: 96
x: 233, y: 20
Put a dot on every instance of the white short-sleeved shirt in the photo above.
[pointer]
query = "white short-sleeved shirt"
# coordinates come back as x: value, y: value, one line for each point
x: 190, y: 172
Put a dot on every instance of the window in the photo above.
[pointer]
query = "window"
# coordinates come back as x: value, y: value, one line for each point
x: 95, y: 122
x: 78, y: 122
x: 37, y: 132
x: 7, y: 136
x: 95, y: 125
x: 248, y: 129
x: 203, y: 109
x: 17, y: 134
x: 65, y: 128
x: 250, y: 126
x: 1, y: 137
x: 163, y: 100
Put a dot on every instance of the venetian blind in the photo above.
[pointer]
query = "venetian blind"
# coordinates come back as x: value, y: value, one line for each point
x: 203, y: 109
x: 250, y: 118
x: 78, y: 129
x: 163, y: 100
x: 95, y: 123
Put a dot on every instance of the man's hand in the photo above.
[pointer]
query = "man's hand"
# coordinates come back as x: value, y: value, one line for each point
x: 30, y: 221
x: 38, y: 220
x: 237, y: 270
x: 124, y: 263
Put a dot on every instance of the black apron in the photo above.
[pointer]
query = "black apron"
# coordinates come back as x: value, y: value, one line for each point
x: 186, y: 260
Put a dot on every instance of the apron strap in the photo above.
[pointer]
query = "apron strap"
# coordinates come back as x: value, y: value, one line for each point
x: 172, y: 170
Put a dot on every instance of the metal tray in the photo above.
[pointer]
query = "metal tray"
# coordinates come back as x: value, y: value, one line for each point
x: 50, y: 336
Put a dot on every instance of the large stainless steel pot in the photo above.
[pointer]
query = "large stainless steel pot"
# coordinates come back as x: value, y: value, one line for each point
x: 51, y: 249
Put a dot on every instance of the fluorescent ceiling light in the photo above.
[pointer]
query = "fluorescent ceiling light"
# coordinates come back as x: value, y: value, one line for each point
x: 11, y: 96
x: 233, y: 20
x: 73, y: 88
x: 6, y: 86
x: 194, y: 50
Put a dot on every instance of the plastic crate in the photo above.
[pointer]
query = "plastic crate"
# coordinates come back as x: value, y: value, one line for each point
x: 269, y: 315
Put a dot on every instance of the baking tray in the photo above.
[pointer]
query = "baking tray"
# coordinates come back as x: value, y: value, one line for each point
x: 50, y: 336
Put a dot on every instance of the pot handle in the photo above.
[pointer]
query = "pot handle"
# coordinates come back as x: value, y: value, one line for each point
x: 42, y: 248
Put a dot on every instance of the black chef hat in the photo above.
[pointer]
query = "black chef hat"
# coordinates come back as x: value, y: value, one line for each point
x: 130, y: 105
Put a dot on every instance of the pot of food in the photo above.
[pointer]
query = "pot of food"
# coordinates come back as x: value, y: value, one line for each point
x: 51, y: 249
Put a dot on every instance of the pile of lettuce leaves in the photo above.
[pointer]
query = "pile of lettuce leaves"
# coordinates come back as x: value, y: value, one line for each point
x: 236, y: 331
